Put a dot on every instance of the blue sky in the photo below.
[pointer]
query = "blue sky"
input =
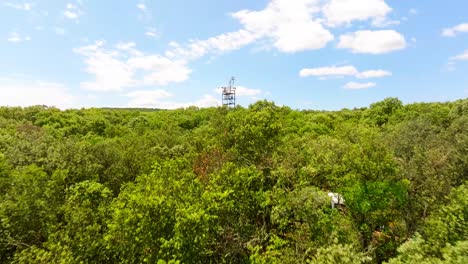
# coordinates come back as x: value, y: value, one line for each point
x: 307, y: 54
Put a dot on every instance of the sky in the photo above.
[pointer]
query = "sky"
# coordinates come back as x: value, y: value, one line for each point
x: 306, y: 54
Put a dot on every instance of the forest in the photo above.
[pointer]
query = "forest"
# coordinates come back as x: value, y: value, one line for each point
x: 241, y: 185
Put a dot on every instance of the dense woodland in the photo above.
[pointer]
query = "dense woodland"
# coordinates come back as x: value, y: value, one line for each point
x: 243, y: 185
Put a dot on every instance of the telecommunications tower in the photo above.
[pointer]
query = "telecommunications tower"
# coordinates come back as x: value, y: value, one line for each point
x: 229, y: 94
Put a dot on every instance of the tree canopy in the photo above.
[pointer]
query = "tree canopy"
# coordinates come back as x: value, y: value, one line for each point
x: 242, y: 185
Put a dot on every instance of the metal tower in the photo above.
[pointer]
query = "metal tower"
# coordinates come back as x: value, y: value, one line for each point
x: 229, y: 94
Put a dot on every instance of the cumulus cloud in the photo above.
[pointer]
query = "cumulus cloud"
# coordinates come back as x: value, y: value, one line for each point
x: 72, y: 11
x: 151, y: 32
x: 242, y: 91
x: 145, y: 15
x: 372, y: 42
x: 381, y: 23
x: 218, y: 44
x: 205, y: 101
x: 159, y: 70
x: 339, y: 12
x: 453, y: 31
x: 111, y: 73
x: 373, y: 74
x: 70, y: 14
x: 125, y: 66
x: 142, y: 7
x: 15, y: 37
x: 22, y: 6
x: 157, y: 99
x: 342, y: 71
x: 290, y: 25
x: 27, y: 93
x: 332, y: 71
x: 359, y: 86
x: 462, y: 56
x: 294, y: 26
x: 147, y: 99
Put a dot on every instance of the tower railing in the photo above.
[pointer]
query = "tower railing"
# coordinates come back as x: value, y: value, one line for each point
x: 229, y: 94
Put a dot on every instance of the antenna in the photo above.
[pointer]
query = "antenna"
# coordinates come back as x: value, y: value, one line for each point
x: 229, y: 94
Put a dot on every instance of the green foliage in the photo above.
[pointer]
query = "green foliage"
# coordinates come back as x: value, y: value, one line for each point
x: 253, y: 134
x: 445, y: 236
x: 80, y: 238
x: 414, y: 252
x: 243, y: 185
x: 379, y: 113
x: 27, y: 212
x: 338, y: 253
x: 165, y: 215
x: 5, y: 171
x: 448, y: 224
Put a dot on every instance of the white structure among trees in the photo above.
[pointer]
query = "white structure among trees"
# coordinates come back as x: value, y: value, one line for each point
x: 336, y: 199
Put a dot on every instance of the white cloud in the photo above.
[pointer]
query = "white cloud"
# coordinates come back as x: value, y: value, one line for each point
x: 372, y: 42
x: 288, y: 24
x: 450, y: 66
x: 27, y: 93
x: 293, y: 26
x: 339, y: 12
x: 302, y: 36
x: 23, y: 6
x: 160, y: 70
x: 242, y: 91
x: 358, y: 86
x: 205, y: 101
x: 332, y: 71
x: 123, y: 45
x: 110, y: 72
x: 145, y: 14
x: 156, y: 99
x: 413, y: 11
x: 147, y: 98
x: 218, y: 44
x: 70, y: 14
x: 373, y: 74
x: 125, y: 66
x: 462, y: 56
x: 15, y: 37
x: 383, y: 22
x: 72, y: 11
x: 151, y: 32
x: 337, y: 72
x: 141, y: 6
x: 453, y: 31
